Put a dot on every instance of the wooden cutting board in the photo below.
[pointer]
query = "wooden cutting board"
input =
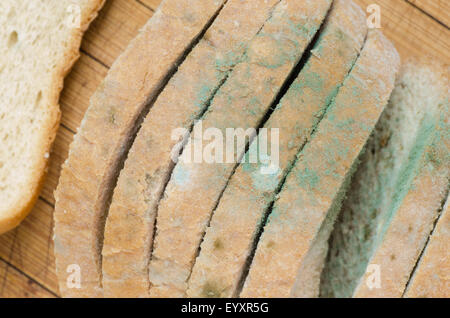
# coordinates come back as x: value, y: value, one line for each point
x: 417, y: 27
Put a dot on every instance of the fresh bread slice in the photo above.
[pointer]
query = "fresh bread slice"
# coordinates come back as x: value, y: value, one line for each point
x: 236, y: 222
x: 242, y: 102
x: 292, y: 247
x: 431, y: 277
x: 39, y: 43
x: 130, y: 223
x: 396, y: 193
x: 108, y: 128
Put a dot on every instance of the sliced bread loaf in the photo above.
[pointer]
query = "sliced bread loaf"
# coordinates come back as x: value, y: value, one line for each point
x: 39, y: 43
x: 242, y: 102
x: 293, y: 245
x: 108, y: 128
x: 396, y: 193
x: 432, y: 275
x: 236, y: 222
x: 130, y: 223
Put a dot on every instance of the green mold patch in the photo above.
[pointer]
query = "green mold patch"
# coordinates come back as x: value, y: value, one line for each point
x: 265, y: 182
x: 409, y: 170
x: 307, y: 178
x: 218, y: 244
x: 278, y: 59
x: 180, y: 175
x: 203, y: 95
x: 111, y: 115
x: 211, y: 290
x: 389, y: 166
x: 303, y: 29
x: 310, y: 80
x: 230, y: 59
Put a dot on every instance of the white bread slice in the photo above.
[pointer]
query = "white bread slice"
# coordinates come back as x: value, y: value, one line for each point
x: 292, y: 248
x: 396, y: 193
x: 236, y: 222
x: 431, y: 277
x: 130, y: 223
x: 97, y: 152
x: 242, y: 102
x: 39, y: 43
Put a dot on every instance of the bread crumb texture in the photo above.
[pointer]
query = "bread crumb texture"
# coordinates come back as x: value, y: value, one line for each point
x: 39, y: 42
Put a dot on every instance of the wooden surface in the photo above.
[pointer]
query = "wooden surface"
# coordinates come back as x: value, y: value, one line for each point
x: 417, y: 27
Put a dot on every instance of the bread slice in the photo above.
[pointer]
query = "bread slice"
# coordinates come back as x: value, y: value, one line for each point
x: 39, y: 43
x: 108, y: 128
x: 130, y: 223
x: 242, y: 102
x: 292, y: 248
x: 396, y: 193
x: 431, y: 278
x: 236, y: 222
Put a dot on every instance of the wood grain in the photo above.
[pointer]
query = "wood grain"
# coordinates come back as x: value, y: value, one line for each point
x: 118, y: 22
x: 29, y: 248
x: 84, y: 79
x: 438, y: 9
x: 14, y: 284
x: 413, y: 33
x: 153, y: 4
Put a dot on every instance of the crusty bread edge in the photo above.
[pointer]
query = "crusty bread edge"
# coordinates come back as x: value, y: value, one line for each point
x: 420, y: 285
x: 11, y: 218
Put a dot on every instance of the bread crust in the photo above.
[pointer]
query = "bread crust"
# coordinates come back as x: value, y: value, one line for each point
x: 431, y: 277
x: 194, y: 188
x: 230, y: 237
x: 130, y: 223
x: 88, y: 176
x: 412, y: 223
x: 12, y: 217
x: 310, y: 196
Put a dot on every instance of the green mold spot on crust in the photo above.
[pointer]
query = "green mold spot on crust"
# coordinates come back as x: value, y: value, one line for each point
x: 210, y: 290
x: 275, y: 214
x: 302, y: 29
x: 433, y: 156
x: 112, y: 115
x: 307, y: 79
x: 277, y: 59
x: 264, y: 182
x: 356, y: 91
x: 330, y: 98
x: 313, y: 81
x: 270, y: 244
x: 189, y: 17
x: 409, y: 170
x: 340, y: 35
x: 203, y: 96
x: 346, y: 124
x: 307, y: 178
x: 180, y: 175
x: 228, y: 61
x: 218, y: 244
x: 253, y: 107
x: 269, y: 84
x: 247, y: 166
